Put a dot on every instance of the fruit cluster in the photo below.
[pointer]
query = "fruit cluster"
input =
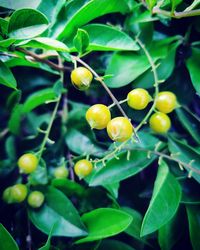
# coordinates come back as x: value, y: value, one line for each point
x: 120, y: 129
x: 27, y: 164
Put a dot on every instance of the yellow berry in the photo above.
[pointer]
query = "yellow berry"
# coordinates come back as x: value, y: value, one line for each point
x: 35, y: 199
x: 160, y: 123
x: 28, y: 163
x: 120, y: 129
x: 61, y: 172
x: 138, y: 99
x: 83, y: 168
x: 18, y: 193
x: 166, y: 102
x: 81, y: 78
x: 98, y: 116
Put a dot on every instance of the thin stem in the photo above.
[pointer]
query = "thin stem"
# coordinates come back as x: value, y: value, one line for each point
x: 42, y: 60
x: 156, y: 83
x: 169, y: 158
x: 47, y: 132
x: 177, y: 15
x: 4, y: 133
x: 120, y: 102
x: 71, y: 171
x: 98, y: 78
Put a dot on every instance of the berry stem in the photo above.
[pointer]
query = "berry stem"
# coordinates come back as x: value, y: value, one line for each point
x: 98, y: 78
x: 156, y: 83
x: 120, y: 102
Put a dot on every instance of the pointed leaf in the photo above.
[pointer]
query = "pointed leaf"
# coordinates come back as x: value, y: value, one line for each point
x: 164, y: 202
x: 6, y: 76
x: 104, y: 222
x: 6, y: 240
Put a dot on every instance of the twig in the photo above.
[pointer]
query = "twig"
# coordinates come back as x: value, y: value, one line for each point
x: 98, y: 78
x: 42, y: 60
x: 177, y: 15
x: 71, y: 171
x: 156, y: 83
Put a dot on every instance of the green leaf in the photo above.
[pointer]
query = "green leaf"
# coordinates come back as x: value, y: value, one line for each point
x: 151, y: 3
x: 106, y: 38
x: 193, y: 64
x: 81, y: 40
x: 114, y: 245
x: 193, y: 214
x: 57, y: 210
x: 51, y: 8
x: 164, y: 70
x: 186, y: 154
x: 19, y: 4
x: 89, y: 11
x: 68, y: 187
x: 120, y: 169
x: 125, y: 67
x: 113, y: 188
x: 44, y: 43
x: 164, y: 202
x: 39, y: 176
x: 87, y: 146
x: 6, y: 240
x: 6, y: 76
x: 135, y: 226
x: 38, y: 98
x: 190, y: 123
x: 27, y: 23
x: 7, y: 42
x: 3, y: 26
x: 104, y: 222
x: 15, y: 119
x: 170, y: 233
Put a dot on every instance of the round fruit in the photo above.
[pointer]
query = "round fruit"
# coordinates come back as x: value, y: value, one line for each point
x: 18, y: 193
x: 61, y: 172
x: 81, y: 78
x: 160, y: 123
x: 35, y: 199
x: 166, y: 102
x: 138, y: 98
x: 7, y: 195
x: 98, y: 116
x: 28, y: 163
x: 120, y: 129
x: 83, y: 168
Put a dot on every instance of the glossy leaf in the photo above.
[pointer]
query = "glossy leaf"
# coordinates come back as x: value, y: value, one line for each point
x: 57, y: 210
x: 181, y: 151
x: 170, y: 233
x: 38, y: 98
x: 87, y: 146
x: 104, y: 222
x: 193, y: 64
x: 6, y: 76
x: 47, y: 245
x: 164, y: 202
x: 112, y: 38
x: 27, y: 23
x: 190, y: 123
x: 19, y: 4
x: 81, y: 40
x: 6, y: 240
x: 45, y: 43
x: 88, y: 12
x: 193, y: 214
x: 3, y: 26
x: 15, y: 119
x: 120, y: 169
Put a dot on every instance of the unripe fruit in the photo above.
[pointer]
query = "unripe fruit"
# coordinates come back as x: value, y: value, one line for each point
x: 138, y: 99
x: 120, y: 129
x: 61, y: 172
x: 81, y: 78
x: 166, y: 102
x: 7, y: 195
x: 98, y: 116
x: 28, y: 163
x: 83, y: 168
x: 18, y: 193
x: 35, y: 199
x: 160, y: 123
